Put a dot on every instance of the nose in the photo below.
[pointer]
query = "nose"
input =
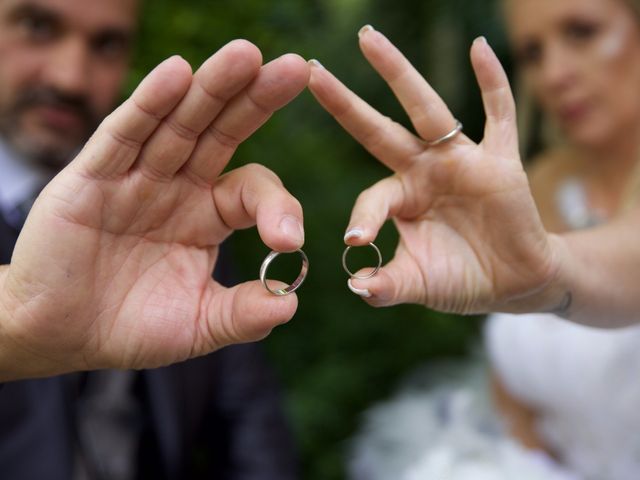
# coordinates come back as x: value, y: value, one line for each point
x: 558, y: 68
x: 67, y: 67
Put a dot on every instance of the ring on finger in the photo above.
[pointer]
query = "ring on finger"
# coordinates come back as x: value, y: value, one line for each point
x: 447, y: 136
x: 362, y: 277
x: 296, y: 283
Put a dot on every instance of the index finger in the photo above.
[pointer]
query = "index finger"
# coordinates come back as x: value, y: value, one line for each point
x: 254, y: 195
x: 385, y: 139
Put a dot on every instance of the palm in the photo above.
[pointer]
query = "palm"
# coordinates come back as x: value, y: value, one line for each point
x: 460, y: 241
x: 147, y: 268
x: 130, y: 230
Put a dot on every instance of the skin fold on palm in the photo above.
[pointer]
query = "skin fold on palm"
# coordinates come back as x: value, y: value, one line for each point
x: 123, y: 241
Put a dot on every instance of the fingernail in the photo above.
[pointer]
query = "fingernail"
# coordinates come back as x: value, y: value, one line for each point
x: 365, y: 29
x: 315, y: 63
x: 362, y: 292
x: 482, y: 39
x: 353, y: 233
x: 292, y: 228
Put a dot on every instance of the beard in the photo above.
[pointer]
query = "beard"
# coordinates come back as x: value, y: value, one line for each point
x: 48, y: 146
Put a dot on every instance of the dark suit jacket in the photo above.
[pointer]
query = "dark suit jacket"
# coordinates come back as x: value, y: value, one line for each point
x: 215, y: 417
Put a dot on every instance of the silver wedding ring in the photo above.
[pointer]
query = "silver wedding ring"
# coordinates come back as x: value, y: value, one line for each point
x: 296, y: 283
x: 362, y: 277
x: 448, y: 136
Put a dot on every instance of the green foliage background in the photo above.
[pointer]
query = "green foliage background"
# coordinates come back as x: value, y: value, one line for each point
x: 338, y: 356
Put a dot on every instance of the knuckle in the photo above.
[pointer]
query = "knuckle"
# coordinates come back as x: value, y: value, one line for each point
x: 225, y: 139
x: 367, y: 195
x: 260, y: 171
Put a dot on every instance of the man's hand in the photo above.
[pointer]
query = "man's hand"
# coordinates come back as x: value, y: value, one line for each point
x: 113, y: 267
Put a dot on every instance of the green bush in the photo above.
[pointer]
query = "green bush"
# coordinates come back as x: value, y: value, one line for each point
x: 338, y: 355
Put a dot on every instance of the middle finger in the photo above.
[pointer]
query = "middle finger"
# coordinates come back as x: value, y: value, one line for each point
x: 219, y: 79
x: 277, y: 84
x: 428, y: 112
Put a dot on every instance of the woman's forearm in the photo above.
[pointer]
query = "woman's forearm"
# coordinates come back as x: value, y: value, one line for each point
x: 604, y: 271
x: 597, y: 278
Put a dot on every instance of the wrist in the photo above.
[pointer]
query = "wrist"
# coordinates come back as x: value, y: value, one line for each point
x: 557, y: 296
x: 553, y: 293
x: 16, y: 362
x: 7, y: 318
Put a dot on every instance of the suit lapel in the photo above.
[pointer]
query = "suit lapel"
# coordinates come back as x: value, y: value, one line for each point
x: 167, y: 410
x: 8, y: 237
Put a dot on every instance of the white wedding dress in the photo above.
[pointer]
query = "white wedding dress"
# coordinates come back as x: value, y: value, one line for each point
x: 584, y: 384
x: 441, y: 426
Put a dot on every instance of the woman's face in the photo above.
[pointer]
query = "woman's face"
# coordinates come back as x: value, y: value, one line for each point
x: 581, y: 60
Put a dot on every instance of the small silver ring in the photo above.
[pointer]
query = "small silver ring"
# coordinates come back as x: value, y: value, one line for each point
x: 296, y: 283
x: 448, y: 136
x: 362, y: 277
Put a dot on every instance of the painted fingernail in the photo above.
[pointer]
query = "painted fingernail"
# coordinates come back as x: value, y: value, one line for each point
x: 315, y: 63
x: 365, y: 29
x: 353, y: 233
x: 292, y: 228
x: 361, y: 292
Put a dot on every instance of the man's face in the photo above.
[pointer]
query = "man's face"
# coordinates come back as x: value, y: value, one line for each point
x: 62, y: 64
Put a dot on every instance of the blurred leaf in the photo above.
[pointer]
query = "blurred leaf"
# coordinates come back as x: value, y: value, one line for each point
x: 338, y: 356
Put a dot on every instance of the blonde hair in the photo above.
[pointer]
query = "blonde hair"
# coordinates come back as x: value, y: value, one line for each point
x: 631, y: 195
x: 635, y: 5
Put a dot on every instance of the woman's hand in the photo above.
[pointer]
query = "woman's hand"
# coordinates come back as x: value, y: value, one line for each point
x: 471, y: 239
x: 113, y: 267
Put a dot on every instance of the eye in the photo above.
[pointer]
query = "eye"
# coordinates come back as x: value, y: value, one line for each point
x: 529, y: 54
x: 580, y: 31
x: 38, y: 28
x: 111, y: 46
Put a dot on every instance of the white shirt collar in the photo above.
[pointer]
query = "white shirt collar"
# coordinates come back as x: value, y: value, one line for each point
x: 18, y: 179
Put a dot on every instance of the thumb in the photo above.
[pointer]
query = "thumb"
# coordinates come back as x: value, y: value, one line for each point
x: 399, y: 281
x: 244, y: 313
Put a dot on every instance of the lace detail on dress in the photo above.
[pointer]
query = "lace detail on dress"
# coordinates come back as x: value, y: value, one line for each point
x: 573, y: 205
x: 441, y: 426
